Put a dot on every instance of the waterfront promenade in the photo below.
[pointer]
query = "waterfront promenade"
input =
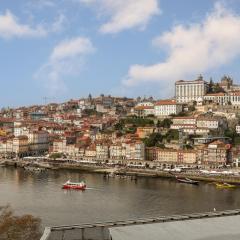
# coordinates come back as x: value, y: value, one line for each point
x: 216, y: 175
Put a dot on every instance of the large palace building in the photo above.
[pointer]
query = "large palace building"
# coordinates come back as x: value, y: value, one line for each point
x: 189, y: 91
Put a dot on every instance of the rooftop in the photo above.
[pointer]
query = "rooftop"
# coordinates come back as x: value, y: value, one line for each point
x: 197, y: 226
x: 166, y: 102
x: 197, y: 81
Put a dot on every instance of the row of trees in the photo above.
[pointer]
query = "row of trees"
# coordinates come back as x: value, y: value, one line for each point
x: 130, y: 124
x: 158, y: 139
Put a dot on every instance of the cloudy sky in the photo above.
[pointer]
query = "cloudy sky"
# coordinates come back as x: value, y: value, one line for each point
x: 62, y: 49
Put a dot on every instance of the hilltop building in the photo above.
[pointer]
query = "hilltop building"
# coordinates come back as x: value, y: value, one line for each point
x: 189, y: 91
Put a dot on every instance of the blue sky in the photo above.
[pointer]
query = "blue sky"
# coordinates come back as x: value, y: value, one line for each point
x: 64, y: 49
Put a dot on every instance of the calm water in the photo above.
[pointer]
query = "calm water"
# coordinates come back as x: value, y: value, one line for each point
x: 114, y: 199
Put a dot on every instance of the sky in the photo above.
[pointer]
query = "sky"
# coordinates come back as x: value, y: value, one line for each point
x: 55, y: 50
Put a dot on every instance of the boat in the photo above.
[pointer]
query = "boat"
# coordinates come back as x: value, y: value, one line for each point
x: 187, y: 180
x: 34, y: 169
x: 224, y: 185
x: 77, y: 186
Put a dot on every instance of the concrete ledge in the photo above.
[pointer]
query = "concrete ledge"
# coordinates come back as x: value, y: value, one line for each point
x: 100, y: 231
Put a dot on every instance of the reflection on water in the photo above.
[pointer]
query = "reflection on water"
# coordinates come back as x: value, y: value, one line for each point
x: 40, y: 194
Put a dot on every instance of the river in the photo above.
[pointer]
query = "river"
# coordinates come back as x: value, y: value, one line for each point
x: 40, y: 194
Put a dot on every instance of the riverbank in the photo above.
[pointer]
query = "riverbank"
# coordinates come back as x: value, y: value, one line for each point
x: 131, y: 172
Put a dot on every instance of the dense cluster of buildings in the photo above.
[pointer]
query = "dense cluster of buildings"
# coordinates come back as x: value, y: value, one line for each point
x: 94, y: 128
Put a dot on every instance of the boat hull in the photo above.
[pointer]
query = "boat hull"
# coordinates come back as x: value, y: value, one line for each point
x: 219, y: 185
x: 74, y: 187
x: 187, y: 181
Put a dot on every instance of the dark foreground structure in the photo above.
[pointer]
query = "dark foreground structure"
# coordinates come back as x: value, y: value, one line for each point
x: 201, y: 226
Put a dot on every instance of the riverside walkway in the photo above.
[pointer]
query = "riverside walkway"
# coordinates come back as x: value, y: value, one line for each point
x: 198, y: 226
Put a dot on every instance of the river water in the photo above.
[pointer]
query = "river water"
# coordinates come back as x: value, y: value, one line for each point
x: 40, y: 194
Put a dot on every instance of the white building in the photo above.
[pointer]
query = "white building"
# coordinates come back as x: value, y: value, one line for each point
x: 231, y: 97
x: 219, y: 98
x: 38, y: 141
x: 145, y: 104
x: 167, y: 107
x: 234, y: 97
x: 208, y: 122
x: 135, y: 150
x: 238, y: 129
x: 102, y: 151
x: 17, y: 146
x: 189, y: 91
x: 117, y: 151
x: 60, y: 145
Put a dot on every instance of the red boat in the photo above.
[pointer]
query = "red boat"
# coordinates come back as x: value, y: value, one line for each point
x: 77, y: 186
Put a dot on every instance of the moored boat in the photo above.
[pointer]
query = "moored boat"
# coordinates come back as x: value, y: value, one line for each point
x: 187, y: 180
x: 77, y: 186
x: 224, y: 185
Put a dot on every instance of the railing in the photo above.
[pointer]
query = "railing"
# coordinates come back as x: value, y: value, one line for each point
x: 100, y: 231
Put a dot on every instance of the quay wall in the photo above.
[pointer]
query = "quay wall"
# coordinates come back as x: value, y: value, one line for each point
x: 130, y: 171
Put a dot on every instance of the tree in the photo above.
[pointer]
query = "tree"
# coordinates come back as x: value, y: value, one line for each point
x: 119, y: 126
x: 56, y: 155
x: 150, y: 116
x: 218, y: 89
x: 166, y: 123
x: 188, y: 147
x: 154, y: 139
x: 25, y: 227
x: 191, y: 108
x: 172, y: 134
x: 210, y: 85
x: 90, y: 97
x: 138, y: 122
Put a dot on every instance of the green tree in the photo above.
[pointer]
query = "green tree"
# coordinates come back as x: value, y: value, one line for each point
x: 153, y: 140
x: 119, y: 126
x: 210, y: 85
x: 56, y: 155
x: 233, y: 135
x: 166, y: 123
x: 138, y: 122
x: 172, y: 134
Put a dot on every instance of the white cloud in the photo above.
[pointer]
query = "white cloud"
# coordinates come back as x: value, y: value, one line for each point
x: 58, y: 24
x: 10, y: 27
x: 125, y: 14
x: 66, y: 59
x: 192, y: 49
x: 71, y: 48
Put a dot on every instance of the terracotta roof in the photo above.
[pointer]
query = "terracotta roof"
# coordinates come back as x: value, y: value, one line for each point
x: 166, y: 102
x: 235, y: 93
